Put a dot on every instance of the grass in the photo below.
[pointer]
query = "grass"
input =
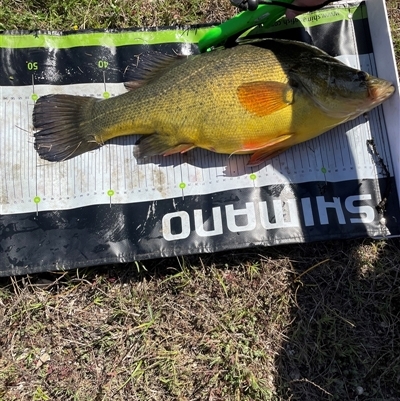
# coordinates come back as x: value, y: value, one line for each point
x: 84, y: 14
x: 297, y: 322
x: 394, y: 12
x: 302, y: 322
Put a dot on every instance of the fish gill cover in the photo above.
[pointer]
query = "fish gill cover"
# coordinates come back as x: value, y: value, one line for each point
x: 106, y: 207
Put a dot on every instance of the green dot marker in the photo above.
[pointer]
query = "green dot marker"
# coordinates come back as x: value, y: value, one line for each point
x: 106, y: 95
x: 34, y: 97
x: 36, y: 199
x: 253, y: 176
x: 323, y: 169
x: 182, y: 185
x: 110, y: 192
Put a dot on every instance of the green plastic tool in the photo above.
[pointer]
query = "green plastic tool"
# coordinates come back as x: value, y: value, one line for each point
x: 265, y: 14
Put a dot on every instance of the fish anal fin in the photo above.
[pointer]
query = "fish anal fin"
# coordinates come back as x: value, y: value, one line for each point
x: 262, y: 155
x: 149, y: 66
x: 262, y: 144
x: 159, y: 145
x: 273, y: 149
x: 182, y: 148
x: 263, y: 98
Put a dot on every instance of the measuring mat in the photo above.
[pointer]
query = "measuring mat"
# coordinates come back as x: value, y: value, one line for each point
x: 106, y: 207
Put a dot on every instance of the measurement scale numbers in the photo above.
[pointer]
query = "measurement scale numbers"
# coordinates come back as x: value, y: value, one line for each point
x: 111, y: 175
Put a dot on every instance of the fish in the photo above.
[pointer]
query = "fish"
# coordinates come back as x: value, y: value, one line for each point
x: 256, y: 98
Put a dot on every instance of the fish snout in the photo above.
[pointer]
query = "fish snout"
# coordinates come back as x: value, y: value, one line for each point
x: 379, y: 90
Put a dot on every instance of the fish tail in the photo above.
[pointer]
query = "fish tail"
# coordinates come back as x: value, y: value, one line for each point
x: 64, y: 126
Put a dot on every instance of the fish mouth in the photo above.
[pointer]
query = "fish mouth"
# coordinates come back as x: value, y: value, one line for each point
x: 379, y: 90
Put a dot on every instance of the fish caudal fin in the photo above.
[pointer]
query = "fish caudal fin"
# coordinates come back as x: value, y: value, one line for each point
x: 64, y: 126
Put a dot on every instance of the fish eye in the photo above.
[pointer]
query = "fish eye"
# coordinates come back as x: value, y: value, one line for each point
x: 362, y: 75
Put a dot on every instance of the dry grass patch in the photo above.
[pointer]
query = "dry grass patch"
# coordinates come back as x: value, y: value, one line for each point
x: 86, y: 14
x: 172, y: 332
x: 345, y: 340
x: 394, y: 18
x: 302, y: 322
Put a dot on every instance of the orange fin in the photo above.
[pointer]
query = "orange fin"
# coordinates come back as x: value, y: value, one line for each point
x: 182, y: 148
x: 271, y: 149
x: 263, y: 98
x: 149, y: 66
x: 262, y: 155
x: 157, y: 145
x: 261, y: 145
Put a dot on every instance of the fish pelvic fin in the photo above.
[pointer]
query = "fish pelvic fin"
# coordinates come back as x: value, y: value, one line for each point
x: 63, y: 124
x: 159, y: 145
x: 263, y: 98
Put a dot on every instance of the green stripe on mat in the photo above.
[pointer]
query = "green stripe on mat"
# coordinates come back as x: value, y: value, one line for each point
x: 114, y: 39
x: 319, y: 18
x: 108, y: 39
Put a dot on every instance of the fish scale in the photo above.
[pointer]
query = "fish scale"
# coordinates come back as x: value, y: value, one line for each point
x: 259, y: 98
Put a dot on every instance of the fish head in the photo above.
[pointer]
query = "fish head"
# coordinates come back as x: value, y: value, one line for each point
x: 340, y: 91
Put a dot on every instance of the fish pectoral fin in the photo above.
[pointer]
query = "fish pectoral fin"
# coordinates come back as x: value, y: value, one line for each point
x: 159, y: 145
x: 274, y: 148
x: 263, y: 98
x: 149, y: 66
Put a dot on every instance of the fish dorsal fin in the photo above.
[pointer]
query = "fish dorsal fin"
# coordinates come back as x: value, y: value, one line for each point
x: 265, y: 97
x: 149, y: 66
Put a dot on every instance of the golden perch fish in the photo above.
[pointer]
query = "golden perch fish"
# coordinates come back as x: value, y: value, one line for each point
x: 259, y: 99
